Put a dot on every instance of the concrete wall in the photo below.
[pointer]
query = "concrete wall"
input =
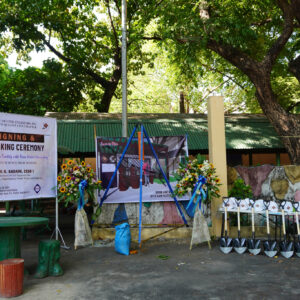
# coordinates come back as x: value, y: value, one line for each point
x: 275, y: 182
x: 266, y: 181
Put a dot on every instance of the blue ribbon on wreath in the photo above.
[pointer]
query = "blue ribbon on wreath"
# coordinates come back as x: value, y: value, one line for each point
x: 82, y: 186
x: 191, y: 207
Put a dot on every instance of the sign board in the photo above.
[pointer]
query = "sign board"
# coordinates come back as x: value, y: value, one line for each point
x: 125, y: 187
x: 28, y: 157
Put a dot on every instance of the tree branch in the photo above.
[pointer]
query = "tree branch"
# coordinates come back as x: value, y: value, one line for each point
x: 56, y: 52
x: 236, y: 57
x: 113, y: 26
x: 261, y: 23
x: 212, y: 90
x: 292, y: 106
x: 152, y: 38
x: 118, y: 8
x: 102, y: 81
x: 296, y: 9
x: 287, y: 31
x: 223, y: 74
x: 294, y: 67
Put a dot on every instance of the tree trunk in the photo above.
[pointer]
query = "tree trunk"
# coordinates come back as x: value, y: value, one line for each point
x: 286, y: 125
x: 109, y: 90
x: 181, y: 103
x: 103, y: 106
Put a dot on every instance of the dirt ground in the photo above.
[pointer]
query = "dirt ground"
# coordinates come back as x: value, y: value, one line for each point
x: 100, y: 273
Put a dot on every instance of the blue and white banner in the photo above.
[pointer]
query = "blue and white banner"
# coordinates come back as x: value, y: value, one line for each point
x: 28, y: 157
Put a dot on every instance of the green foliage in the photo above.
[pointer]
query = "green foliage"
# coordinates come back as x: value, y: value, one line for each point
x: 249, y: 27
x: 34, y: 91
x: 85, y: 36
x: 240, y: 190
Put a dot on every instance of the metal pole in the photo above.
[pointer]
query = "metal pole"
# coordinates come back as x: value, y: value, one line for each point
x: 141, y: 186
x: 56, y: 218
x: 124, y: 69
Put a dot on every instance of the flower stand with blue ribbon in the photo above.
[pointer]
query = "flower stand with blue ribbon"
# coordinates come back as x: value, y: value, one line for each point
x: 83, y: 234
x: 200, y: 231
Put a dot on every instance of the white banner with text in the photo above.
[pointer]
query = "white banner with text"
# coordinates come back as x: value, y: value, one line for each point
x: 28, y: 157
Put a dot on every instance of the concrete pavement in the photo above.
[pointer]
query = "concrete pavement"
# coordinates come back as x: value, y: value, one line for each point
x: 101, y: 273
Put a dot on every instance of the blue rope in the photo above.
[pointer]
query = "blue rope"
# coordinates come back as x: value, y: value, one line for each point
x: 82, y: 186
x: 202, y: 196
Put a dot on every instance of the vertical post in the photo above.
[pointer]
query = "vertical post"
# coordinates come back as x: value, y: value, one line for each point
x: 250, y: 159
x: 217, y: 155
x: 56, y: 218
x: 56, y: 196
x: 7, y: 207
x: 141, y: 183
x: 278, y: 159
x: 124, y: 69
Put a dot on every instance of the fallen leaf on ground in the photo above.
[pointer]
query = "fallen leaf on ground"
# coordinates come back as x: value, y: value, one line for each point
x: 163, y: 257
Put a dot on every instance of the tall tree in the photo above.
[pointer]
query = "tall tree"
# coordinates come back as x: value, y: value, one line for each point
x: 34, y: 91
x: 85, y: 35
x: 259, y: 38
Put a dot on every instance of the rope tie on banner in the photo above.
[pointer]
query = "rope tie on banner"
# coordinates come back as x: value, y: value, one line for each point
x: 202, y: 196
x: 82, y: 186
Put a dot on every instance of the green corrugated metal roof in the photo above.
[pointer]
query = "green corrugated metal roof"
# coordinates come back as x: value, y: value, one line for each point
x: 242, y: 131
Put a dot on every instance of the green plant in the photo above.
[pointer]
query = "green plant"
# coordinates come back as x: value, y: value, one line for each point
x: 189, y: 172
x: 240, y: 190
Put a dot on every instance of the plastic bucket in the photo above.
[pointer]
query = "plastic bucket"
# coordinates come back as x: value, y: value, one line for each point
x: 11, y: 277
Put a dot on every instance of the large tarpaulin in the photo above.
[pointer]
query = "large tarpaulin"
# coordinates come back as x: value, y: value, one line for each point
x: 28, y: 157
x: 124, y: 189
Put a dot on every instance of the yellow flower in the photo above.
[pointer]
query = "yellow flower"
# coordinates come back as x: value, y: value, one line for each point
x: 99, y: 182
x: 68, y: 178
x: 64, y: 166
x: 211, y: 165
x: 58, y: 178
x: 75, y: 168
x: 200, y: 166
x: 70, y: 162
x: 83, y: 163
x: 62, y: 189
x: 89, y: 169
x: 217, y: 180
